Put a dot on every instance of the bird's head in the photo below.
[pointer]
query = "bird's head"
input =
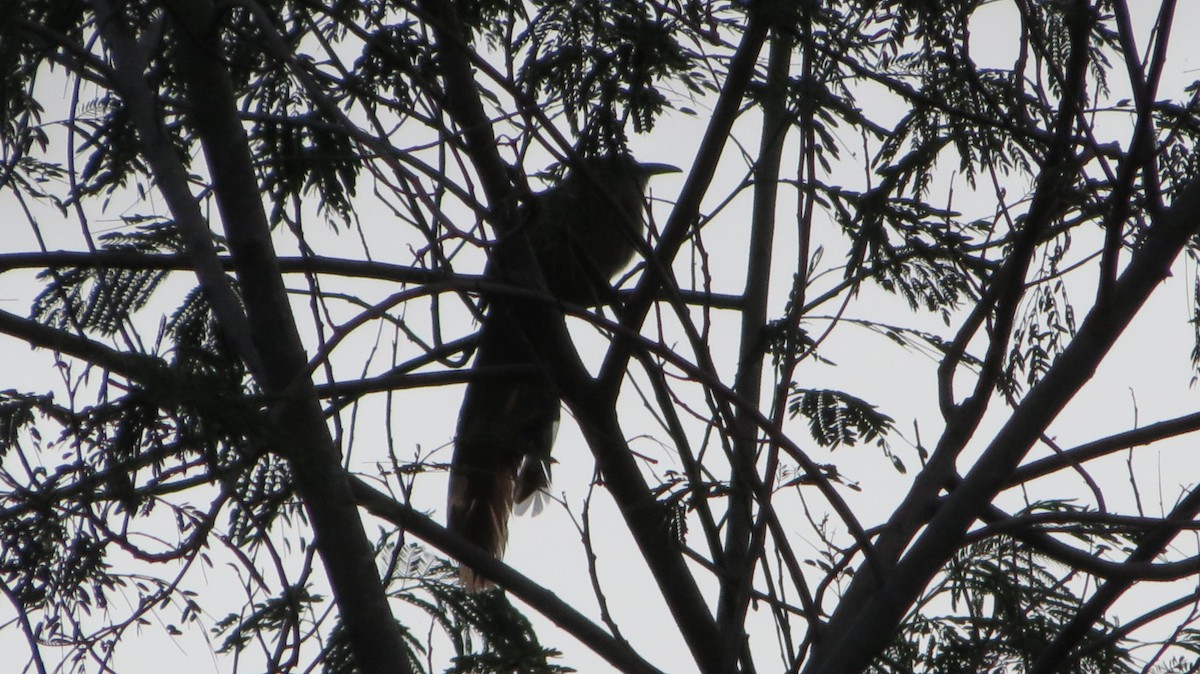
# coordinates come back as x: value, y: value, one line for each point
x: 609, y: 168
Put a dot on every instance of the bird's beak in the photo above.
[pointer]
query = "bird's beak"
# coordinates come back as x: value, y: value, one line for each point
x: 652, y: 169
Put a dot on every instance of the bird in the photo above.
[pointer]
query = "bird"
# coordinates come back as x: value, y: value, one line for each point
x: 583, y: 231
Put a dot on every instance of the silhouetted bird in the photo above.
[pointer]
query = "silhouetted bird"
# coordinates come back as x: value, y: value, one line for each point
x: 583, y: 231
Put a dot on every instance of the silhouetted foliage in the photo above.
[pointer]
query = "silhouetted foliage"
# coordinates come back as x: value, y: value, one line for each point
x: 251, y: 245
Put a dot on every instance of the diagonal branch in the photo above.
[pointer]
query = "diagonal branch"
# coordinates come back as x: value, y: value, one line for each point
x: 266, y: 333
x: 514, y: 262
x: 615, y: 651
x: 743, y: 538
x: 997, y: 309
x: 877, y: 616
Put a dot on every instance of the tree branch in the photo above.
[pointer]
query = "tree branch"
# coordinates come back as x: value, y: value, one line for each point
x: 546, y: 602
x: 876, y: 617
x: 266, y: 333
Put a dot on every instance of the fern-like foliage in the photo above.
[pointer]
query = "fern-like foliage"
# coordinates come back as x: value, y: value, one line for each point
x: 488, y: 634
x: 311, y: 159
x: 55, y: 534
x: 837, y: 418
x: 1046, y: 327
x: 605, y: 63
x: 909, y: 248
x: 102, y: 299
x: 995, y: 609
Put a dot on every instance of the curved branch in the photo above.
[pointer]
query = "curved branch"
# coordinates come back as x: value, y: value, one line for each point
x: 546, y: 602
x: 878, y: 614
x: 1162, y: 430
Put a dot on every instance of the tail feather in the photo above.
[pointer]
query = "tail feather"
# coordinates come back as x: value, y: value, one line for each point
x: 532, y: 488
x: 502, y: 447
x: 479, y: 508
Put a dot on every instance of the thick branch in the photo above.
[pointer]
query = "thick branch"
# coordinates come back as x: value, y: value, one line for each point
x: 687, y: 208
x: 875, y: 619
x: 1149, y: 547
x: 1000, y: 304
x: 741, y: 548
x: 275, y: 352
x: 515, y: 263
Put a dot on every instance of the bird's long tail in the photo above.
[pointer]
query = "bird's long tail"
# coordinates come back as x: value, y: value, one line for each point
x: 502, y: 447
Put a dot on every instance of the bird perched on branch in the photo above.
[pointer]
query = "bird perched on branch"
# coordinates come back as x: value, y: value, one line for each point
x: 583, y: 231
